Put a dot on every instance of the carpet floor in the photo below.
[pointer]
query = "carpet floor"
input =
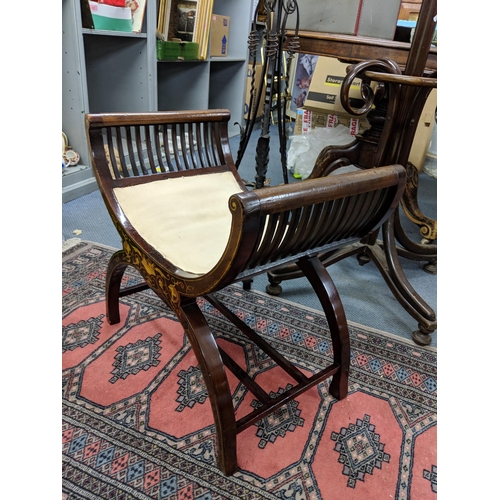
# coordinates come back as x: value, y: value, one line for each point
x: 137, y: 423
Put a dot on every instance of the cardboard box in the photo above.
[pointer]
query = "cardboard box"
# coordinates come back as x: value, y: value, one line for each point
x: 371, y: 18
x: 258, y: 75
x: 307, y: 120
x: 425, y: 126
x: 324, y: 91
x: 219, y: 36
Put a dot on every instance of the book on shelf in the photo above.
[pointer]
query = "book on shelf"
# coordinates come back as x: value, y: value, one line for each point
x: 185, y: 21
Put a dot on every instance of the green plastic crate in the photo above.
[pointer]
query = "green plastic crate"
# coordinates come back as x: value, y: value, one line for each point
x: 176, y: 51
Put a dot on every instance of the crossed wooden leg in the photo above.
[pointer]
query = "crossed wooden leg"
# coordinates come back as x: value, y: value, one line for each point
x: 212, y: 359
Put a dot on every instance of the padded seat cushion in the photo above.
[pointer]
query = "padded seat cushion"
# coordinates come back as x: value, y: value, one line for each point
x: 186, y: 219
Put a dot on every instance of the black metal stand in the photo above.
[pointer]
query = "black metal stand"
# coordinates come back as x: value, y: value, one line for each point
x: 277, y: 13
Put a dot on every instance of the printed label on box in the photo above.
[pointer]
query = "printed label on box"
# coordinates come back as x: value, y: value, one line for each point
x: 354, y: 126
x: 325, y: 89
x: 332, y: 121
x: 306, y: 121
x: 321, y: 97
x: 336, y: 81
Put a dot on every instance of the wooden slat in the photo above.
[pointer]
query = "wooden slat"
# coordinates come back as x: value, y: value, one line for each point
x: 109, y: 140
x: 291, y: 369
x: 130, y: 148
x: 311, y: 226
x: 156, y: 118
x: 244, y: 378
x: 322, y: 226
x: 149, y: 149
x: 201, y: 145
x: 352, y: 210
x: 193, y: 148
x: 265, y: 240
x: 121, y: 155
x: 275, y: 403
x: 140, y: 152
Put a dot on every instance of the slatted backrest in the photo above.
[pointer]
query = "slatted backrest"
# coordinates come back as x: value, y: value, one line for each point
x: 133, y: 145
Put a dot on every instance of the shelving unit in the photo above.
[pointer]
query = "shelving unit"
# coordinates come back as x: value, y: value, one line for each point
x: 107, y: 71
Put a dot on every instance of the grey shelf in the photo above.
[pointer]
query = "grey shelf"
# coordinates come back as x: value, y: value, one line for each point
x: 120, y: 34
x: 108, y: 71
x: 77, y: 181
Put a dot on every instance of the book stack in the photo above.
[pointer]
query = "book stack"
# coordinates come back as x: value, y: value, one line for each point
x: 185, y: 21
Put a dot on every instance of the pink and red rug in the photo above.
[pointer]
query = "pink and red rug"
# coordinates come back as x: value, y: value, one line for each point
x: 137, y: 422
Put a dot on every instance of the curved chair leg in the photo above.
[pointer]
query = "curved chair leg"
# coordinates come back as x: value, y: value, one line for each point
x: 431, y: 267
x: 327, y: 293
x: 205, y: 349
x: 207, y: 353
x: 247, y: 284
x: 116, y: 267
x: 411, y: 300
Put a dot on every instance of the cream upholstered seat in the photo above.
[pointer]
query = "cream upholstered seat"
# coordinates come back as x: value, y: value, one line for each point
x: 186, y: 219
x: 190, y: 227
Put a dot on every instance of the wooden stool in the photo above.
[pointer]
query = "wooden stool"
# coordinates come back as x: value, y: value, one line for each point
x: 190, y: 227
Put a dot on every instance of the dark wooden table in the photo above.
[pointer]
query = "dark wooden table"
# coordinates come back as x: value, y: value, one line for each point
x: 358, y: 48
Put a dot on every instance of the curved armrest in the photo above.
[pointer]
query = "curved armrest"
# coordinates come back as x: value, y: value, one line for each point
x: 293, y: 196
x: 280, y: 224
x: 414, y: 81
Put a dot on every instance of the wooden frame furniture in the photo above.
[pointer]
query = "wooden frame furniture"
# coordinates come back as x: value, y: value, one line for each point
x: 405, y: 76
x: 190, y: 227
x: 357, y: 48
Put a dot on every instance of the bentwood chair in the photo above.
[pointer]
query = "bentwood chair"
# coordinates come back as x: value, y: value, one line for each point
x: 190, y: 227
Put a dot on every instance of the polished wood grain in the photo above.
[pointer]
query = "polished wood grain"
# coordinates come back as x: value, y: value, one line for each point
x: 271, y: 228
x: 353, y: 48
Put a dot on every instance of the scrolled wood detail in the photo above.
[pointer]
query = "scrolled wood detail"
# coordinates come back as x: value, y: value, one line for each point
x: 428, y: 226
x: 367, y: 94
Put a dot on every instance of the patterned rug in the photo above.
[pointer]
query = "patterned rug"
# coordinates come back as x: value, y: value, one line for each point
x: 137, y: 423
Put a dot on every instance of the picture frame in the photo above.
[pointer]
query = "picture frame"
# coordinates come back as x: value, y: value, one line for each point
x: 301, y: 72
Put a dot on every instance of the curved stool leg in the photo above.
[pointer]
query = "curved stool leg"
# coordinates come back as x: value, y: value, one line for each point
x: 327, y: 293
x: 204, y: 347
x: 116, y: 267
x: 207, y: 353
